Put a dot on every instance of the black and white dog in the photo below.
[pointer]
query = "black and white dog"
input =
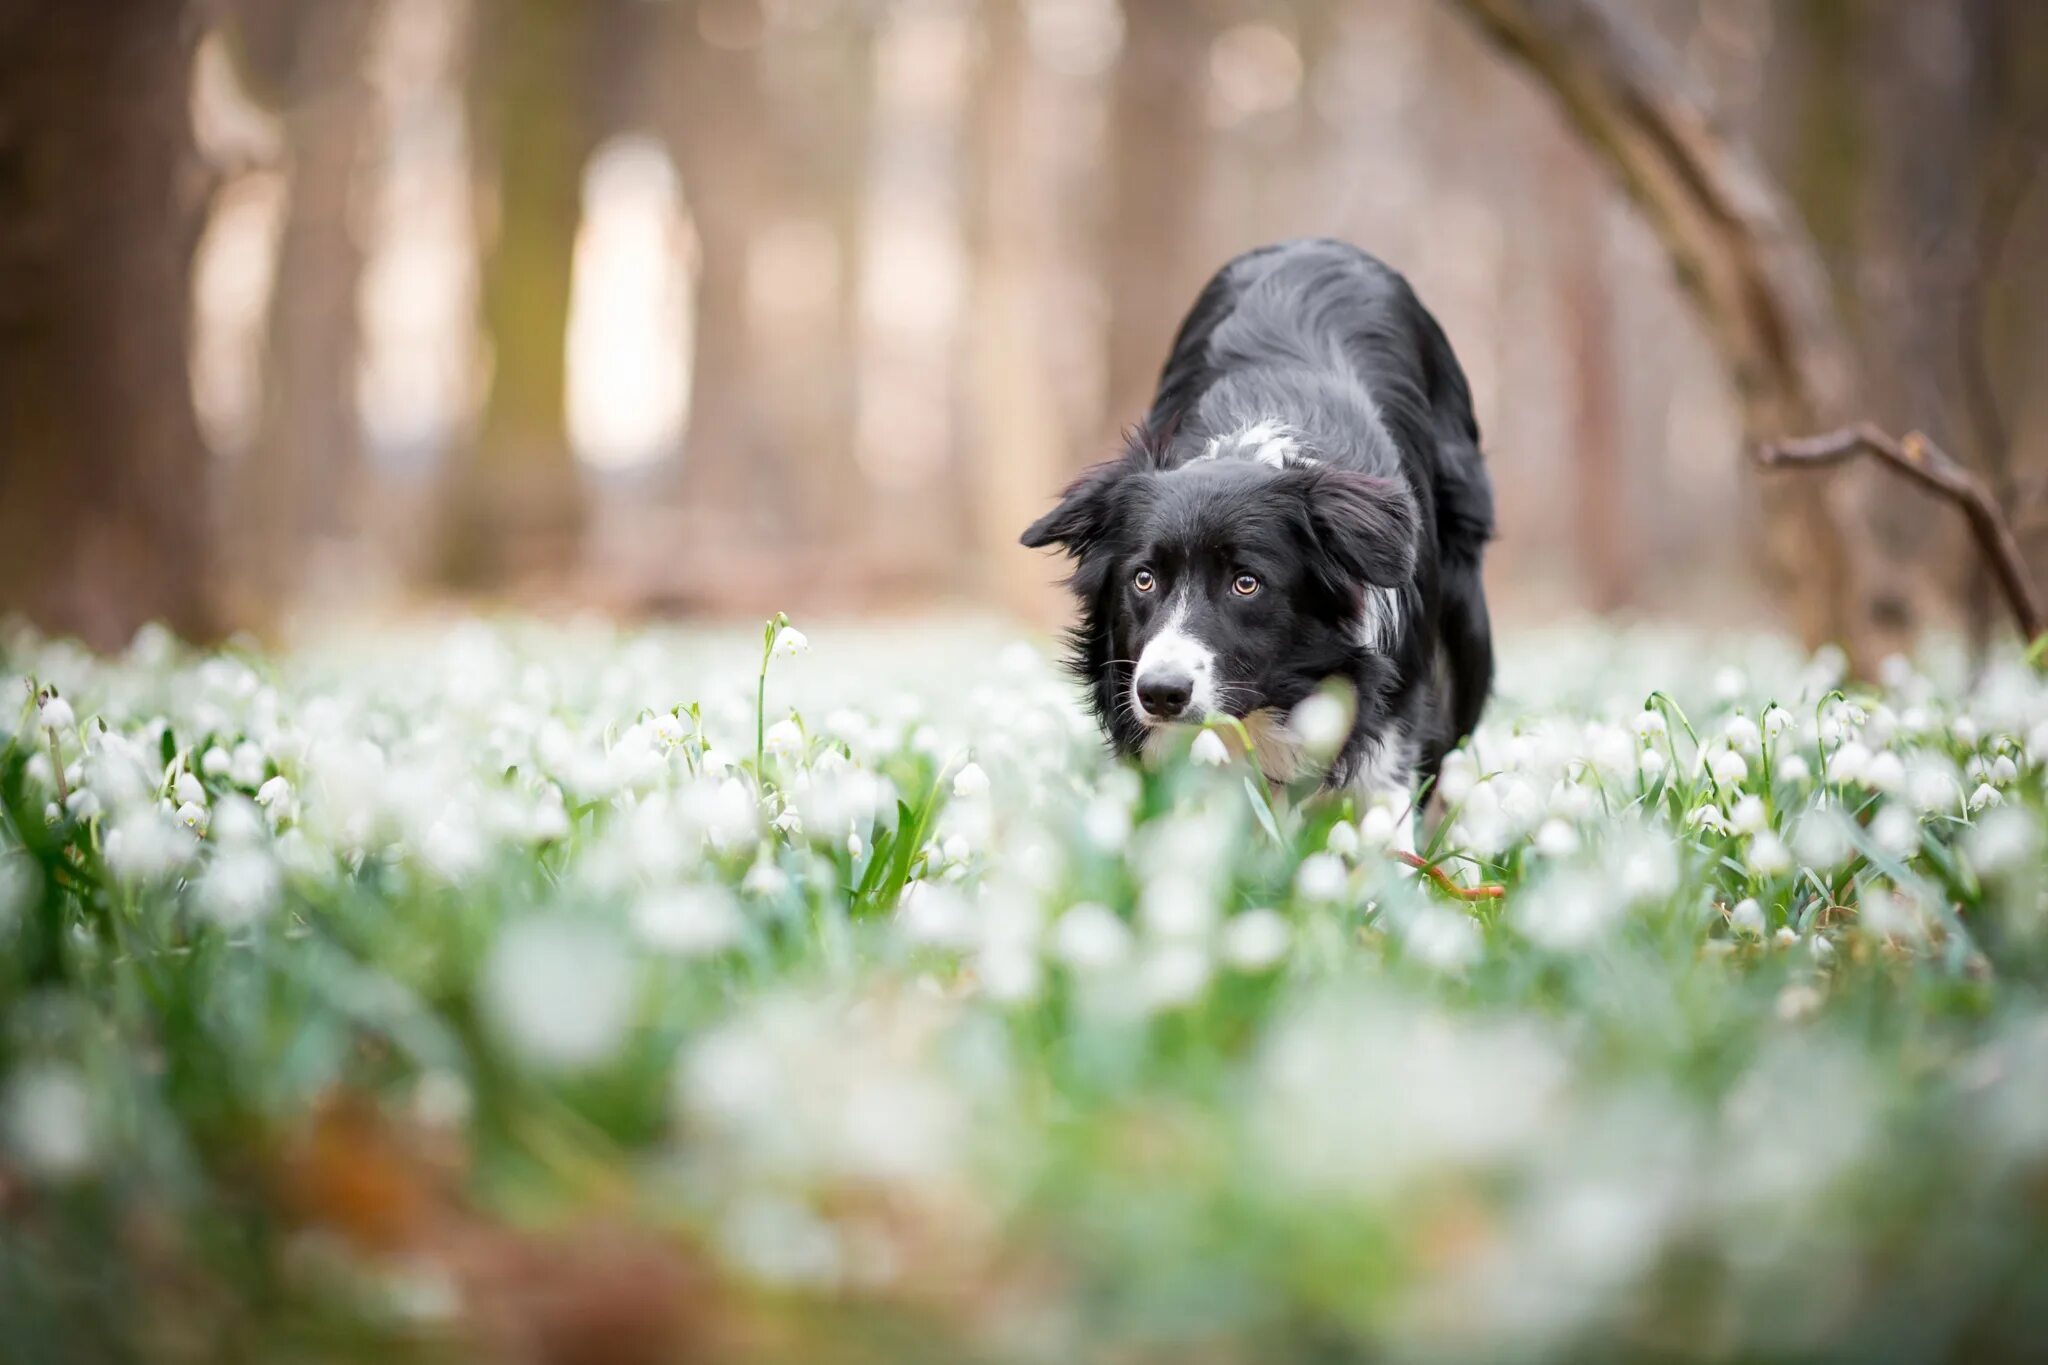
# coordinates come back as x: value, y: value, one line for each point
x: 1305, y: 501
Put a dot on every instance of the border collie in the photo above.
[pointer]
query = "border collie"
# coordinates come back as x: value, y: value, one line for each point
x: 1305, y: 501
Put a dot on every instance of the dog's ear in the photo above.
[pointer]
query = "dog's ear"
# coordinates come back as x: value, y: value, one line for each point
x: 1365, y: 528
x: 1085, y: 513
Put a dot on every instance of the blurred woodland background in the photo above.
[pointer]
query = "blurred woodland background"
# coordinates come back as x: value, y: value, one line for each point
x: 317, y: 307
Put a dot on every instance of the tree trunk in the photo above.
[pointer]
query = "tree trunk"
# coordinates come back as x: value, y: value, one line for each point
x: 1160, y: 141
x: 291, y: 489
x: 515, y: 505
x: 1741, y: 258
x: 102, y: 469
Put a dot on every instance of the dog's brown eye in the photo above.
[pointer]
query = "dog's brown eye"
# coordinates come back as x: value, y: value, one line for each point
x: 1143, y: 581
x: 1245, y: 585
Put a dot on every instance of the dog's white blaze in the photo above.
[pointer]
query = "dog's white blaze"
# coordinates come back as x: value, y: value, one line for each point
x: 1269, y: 442
x: 1379, y: 621
x: 1176, y: 652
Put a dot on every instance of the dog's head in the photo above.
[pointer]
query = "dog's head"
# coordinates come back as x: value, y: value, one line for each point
x: 1224, y: 586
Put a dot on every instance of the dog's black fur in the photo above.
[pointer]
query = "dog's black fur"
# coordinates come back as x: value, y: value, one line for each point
x: 1375, y: 504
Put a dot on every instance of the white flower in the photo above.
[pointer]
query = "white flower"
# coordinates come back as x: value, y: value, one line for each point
x: 2004, y: 771
x: 1556, y: 839
x: 1378, y: 826
x: 1777, y: 720
x: 1256, y: 939
x: 1886, y: 771
x: 215, y: 762
x: 1320, y: 722
x: 1090, y: 937
x: 689, y: 921
x: 1786, y: 936
x: 971, y: 782
x: 1649, y: 725
x: 1727, y: 767
x: 246, y: 767
x: 1985, y: 795
x: 1445, y: 939
x: 764, y: 879
x: 1707, y: 815
x: 1741, y: 733
x: 239, y: 887
x: 669, y: 729
x: 1747, y: 918
x: 559, y: 991
x: 2002, y: 841
x: 192, y: 816
x: 790, y: 642
x: 1768, y: 856
x: 1320, y: 877
x: 1793, y: 769
x: 1209, y: 750
x: 1176, y: 905
x: 1173, y: 974
x: 275, y: 795
x: 1848, y: 763
x: 1342, y: 839
x: 56, y: 714
x: 1896, y: 831
x: 46, y: 1120
x: 188, y: 791
x: 1651, y: 763
x: 1747, y: 815
x: 784, y: 739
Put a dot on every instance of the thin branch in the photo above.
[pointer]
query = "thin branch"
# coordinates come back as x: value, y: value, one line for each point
x: 1487, y: 892
x: 1928, y: 465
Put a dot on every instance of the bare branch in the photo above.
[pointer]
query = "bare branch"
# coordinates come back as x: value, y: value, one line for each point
x: 1927, y: 464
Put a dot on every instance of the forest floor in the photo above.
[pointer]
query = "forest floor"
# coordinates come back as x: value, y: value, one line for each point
x: 567, y: 993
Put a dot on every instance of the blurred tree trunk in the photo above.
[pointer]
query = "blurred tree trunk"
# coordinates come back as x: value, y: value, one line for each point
x: 292, y: 487
x: 515, y: 504
x: 1752, y: 276
x: 102, y: 469
x: 1014, y: 428
x: 714, y: 118
x: 1159, y: 150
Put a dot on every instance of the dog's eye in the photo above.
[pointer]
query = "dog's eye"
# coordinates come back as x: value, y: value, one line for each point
x: 1143, y: 581
x: 1245, y: 585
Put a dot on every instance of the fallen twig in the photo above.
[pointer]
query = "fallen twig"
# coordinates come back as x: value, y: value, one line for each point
x: 1489, y: 891
x: 1926, y: 464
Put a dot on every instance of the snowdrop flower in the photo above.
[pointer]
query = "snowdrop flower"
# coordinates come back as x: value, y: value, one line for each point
x: 1378, y: 827
x: 970, y: 783
x: 246, y: 767
x: 1447, y: 940
x: 1256, y: 940
x: 764, y: 879
x: 2003, y: 771
x: 1107, y: 823
x: 790, y: 642
x: 1822, y: 840
x: 558, y: 991
x: 187, y: 790
x: 1746, y: 917
x: 1707, y: 815
x: 1768, y: 856
x: 46, y: 1121
x: 1649, y: 725
x: 689, y: 921
x: 56, y: 714
x: 1727, y: 768
x: 1556, y: 839
x: 215, y: 762
x: 1651, y: 763
x: 1747, y: 816
x: 1320, y: 722
x: 192, y: 816
x: 1896, y: 831
x: 669, y: 729
x: 1786, y: 936
x: 1848, y: 763
x: 1342, y: 839
x: 1741, y: 733
x: 1985, y: 796
x: 1209, y: 750
x: 1173, y: 975
x: 1777, y: 720
x: 1320, y: 877
x: 1964, y: 730
x: 2004, y: 840
x: 1089, y: 937
x: 239, y: 887
x: 1886, y: 771
x: 784, y: 739
x: 1793, y: 769
x: 275, y: 796
x: 1176, y: 905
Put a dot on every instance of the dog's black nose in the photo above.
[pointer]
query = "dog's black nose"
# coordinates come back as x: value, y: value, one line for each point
x: 1165, y: 695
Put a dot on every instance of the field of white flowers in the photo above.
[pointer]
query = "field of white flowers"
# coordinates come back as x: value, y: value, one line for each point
x: 568, y: 993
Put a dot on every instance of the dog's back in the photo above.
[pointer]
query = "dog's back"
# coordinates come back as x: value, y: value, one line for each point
x: 1321, y: 325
